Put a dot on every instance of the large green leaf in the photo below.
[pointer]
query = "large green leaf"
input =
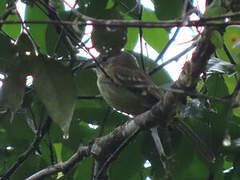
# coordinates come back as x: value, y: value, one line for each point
x: 232, y: 41
x: 13, y: 30
x: 56, y: 89
x: 168, y: 9
x: 156, y: 37
x: 38, y: 31
x: 132, y: 36
x: 56, y: 43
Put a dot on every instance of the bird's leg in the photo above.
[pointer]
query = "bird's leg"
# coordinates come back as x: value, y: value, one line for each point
x: 163, y: 157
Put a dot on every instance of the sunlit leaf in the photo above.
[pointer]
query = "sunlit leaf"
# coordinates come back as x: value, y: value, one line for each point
x: 132, y: 38
x: 157, y: 37
x: 13, y: 30
x: 38, y: 31
x: 232, y: 40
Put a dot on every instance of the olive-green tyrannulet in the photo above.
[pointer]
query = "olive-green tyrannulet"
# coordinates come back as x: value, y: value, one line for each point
x: 124, y: 86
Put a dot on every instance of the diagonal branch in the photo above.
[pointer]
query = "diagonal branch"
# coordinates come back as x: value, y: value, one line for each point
x: 83, y: 151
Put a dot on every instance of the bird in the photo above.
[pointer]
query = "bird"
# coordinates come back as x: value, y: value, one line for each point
x: 125, y: 86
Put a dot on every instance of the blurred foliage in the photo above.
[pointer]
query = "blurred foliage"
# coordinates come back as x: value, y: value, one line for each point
x: 61, y: 90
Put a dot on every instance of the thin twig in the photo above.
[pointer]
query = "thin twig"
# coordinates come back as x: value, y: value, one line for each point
x: 168, y: 44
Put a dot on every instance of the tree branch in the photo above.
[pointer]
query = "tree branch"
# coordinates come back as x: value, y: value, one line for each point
x: 130, y: 23
x: 83, y: 151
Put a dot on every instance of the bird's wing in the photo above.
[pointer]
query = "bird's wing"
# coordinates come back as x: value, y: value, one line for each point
x: 136, y: 81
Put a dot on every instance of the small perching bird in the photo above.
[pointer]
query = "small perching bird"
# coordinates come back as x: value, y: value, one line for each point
x: 125, y: 86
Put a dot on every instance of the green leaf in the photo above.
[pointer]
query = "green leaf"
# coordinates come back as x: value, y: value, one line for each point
x: 132, y: 39
x: 38, y: 31
x: 222, y: 54
x: 2, y: 6
x: 83, y: 169
x: 56, y: 89
x: 13, y: 30
x: 232, y: 40
x: 92, y: 8
x: 24, y: 44
x: 168, y: 9
x: 156, y: 37
x: 216, y: 39
x: 216, y: 87
x: 215, y: 11
x: 58, y: 150
x: 54, y: 42
x: 86, y: 89
x: 110, y: 4
x: 231, y: 83
x: 6, y: 47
